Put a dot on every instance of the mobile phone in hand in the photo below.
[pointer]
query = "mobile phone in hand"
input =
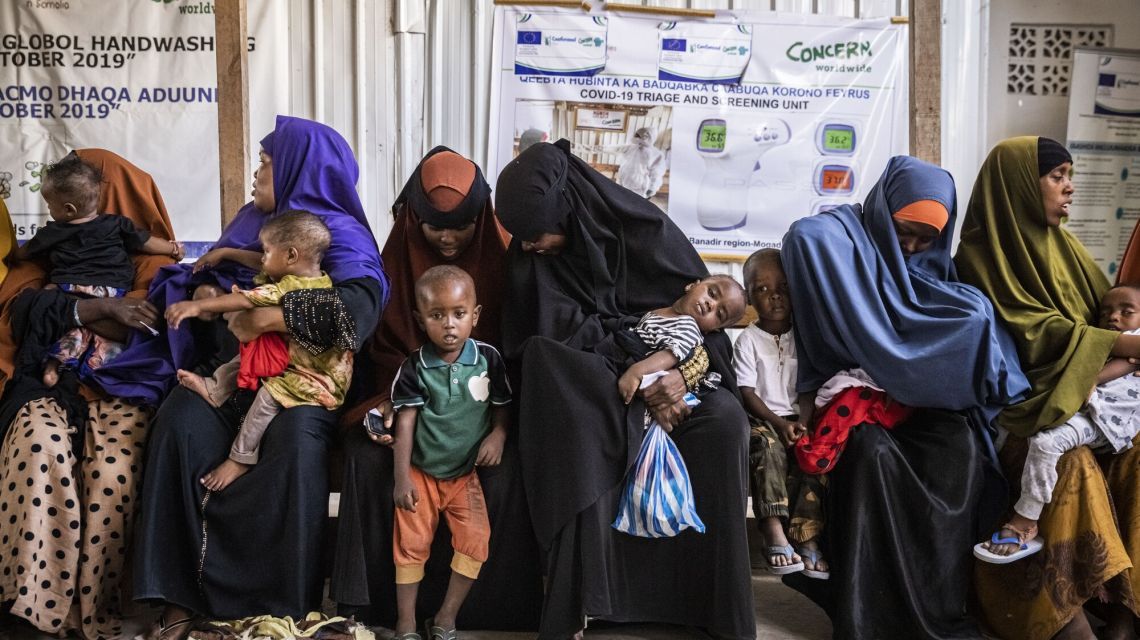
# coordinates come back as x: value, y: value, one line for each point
x: 374, y: 423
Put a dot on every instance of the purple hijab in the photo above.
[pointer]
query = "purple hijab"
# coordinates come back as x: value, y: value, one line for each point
x: 314, y: 170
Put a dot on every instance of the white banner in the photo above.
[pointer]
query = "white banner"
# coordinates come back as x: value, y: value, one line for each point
x: 1104, y: 138
x: 136, y: 77
x: 735, y: 126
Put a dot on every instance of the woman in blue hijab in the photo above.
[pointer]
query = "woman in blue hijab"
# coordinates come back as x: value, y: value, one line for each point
x: 873, y: 288
x: 254, y: 548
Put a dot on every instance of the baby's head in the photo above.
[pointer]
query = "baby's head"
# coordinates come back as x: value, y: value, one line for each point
x: 1120, y: 308
x: 446, y: 308
x: 768, y: 290
x: 70, y: 188
x: 715, y: 302
x: 293, y: 243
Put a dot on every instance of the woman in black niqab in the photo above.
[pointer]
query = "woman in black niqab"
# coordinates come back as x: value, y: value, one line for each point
x: 588, y: 258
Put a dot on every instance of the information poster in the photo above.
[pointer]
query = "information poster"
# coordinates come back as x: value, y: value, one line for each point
x: 1104, y: 138
x: 136, y: 77
x: 735, y: 126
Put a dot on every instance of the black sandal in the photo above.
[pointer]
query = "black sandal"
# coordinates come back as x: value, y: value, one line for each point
x: 160, y: 628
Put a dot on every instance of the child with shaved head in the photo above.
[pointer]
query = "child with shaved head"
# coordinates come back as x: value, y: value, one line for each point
x: 450, y: 397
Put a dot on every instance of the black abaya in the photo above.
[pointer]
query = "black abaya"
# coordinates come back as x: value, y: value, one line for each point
x: 693, y: 579
x: 622, y: 257
x: 902, y: 510
x: 258, y: 542
x: 255, y: 547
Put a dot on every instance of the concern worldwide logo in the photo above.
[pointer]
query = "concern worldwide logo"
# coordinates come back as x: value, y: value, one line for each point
x: 195, y: 7
x: 842, y: 50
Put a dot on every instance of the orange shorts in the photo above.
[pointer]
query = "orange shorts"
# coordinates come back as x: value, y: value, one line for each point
x: 461, y: 501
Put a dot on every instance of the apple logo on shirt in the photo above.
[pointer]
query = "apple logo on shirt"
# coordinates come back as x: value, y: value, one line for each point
x: 480, y: 387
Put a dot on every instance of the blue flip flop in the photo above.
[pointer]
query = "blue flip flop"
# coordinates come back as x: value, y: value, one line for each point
x: 1027, y: 548
x: 787, y: 552
x: 813, y: 555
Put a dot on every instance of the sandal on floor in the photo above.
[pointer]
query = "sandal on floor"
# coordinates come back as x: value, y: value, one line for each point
x: 438, y: 633
x: 1028, y: 544
x: 812, y: 555
x: 787, y: 552
x: 160, y: 629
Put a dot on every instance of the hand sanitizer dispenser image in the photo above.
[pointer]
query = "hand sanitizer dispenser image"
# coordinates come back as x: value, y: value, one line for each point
x: 732, y: 156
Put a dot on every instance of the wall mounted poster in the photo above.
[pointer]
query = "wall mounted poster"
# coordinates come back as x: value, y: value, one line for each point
x: 735, y: 126
x: 138, y: 78
x: 1104, y: 138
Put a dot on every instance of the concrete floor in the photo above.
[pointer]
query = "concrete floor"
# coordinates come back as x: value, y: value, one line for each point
x: 780, y: 613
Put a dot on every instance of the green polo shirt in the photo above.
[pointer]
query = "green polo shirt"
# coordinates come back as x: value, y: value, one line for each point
x: 454, y: 402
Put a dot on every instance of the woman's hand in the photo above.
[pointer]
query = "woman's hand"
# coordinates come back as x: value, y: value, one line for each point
x: 132, y: 313
x: 665, y: 400
x: 668, y: 390
x: 389, y: 415
x: 247, y: 325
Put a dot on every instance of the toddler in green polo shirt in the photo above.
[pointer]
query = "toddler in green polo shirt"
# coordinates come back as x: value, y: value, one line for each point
x: 450, y: 397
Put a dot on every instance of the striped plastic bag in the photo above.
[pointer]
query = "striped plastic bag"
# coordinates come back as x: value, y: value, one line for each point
x: 658, y: 498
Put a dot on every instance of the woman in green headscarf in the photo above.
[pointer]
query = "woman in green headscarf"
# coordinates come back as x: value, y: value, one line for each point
x: 1046, y: 288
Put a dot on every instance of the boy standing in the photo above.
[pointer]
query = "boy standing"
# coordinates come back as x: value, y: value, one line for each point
x: 765, y: 361
x: 450, y: 398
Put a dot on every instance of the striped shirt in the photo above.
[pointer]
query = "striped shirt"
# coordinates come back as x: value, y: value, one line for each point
x: 679, y: 335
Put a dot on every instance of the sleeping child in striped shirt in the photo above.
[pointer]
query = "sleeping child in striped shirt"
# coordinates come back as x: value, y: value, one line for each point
x: 672, y: 333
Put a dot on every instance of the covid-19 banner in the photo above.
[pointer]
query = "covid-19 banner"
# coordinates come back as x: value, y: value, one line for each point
x: 136, y: 77
x: 735, y: 125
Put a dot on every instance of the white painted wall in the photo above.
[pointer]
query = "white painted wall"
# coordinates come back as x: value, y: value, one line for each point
x: 1014, y: 115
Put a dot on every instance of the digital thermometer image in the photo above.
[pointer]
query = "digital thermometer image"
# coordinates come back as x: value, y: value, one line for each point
x: 732, y: 159
x: 833, y: 179
x: 836, y: 139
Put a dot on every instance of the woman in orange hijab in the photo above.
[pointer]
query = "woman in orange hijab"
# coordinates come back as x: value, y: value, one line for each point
x: 443, y: 216
x: 75, y: 459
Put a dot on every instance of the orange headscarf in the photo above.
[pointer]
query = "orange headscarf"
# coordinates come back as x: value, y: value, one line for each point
x: 127, y: 190
x: 928, y: 212
x: 406, y: 256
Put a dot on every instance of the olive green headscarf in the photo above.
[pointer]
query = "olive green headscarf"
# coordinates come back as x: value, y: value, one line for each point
x: 1043, y: 284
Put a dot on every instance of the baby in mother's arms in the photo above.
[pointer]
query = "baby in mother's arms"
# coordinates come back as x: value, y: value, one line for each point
x: 90, y: 257
x: 288, y: 374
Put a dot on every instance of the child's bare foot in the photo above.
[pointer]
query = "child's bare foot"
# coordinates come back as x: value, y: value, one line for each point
x: 224, y: 474
x: 195, y: 383
x: 781, y: 558
x: 51, y: 373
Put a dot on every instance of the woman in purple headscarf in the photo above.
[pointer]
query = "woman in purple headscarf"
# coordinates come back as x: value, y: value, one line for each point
x: 254, y: 547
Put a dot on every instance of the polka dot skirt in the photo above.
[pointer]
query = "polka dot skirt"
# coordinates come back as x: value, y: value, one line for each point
x: 64, y: 523
x: 818, y: 451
